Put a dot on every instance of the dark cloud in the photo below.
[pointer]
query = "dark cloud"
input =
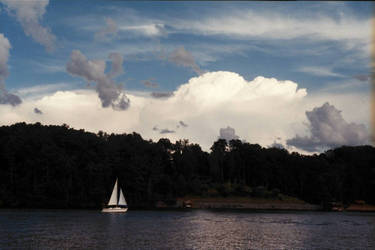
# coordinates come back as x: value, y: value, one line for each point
x: 166, y: 131
x: 329, y: 130
x: 362, y: 78
x: 4, y: 54
x: 109, y: 30
x: 108, y: 91
x: 184, y: 58
x: 161, y: 94
x: 9, y: 98
x: 37, y: 111
x: 228, y: 134
x: 183, y: 124
x: 5, y: 96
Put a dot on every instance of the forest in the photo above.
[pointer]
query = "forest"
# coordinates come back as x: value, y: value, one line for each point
x: 60, y: 167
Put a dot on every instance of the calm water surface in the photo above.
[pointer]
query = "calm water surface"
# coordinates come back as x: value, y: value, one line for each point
x: 197, y: 229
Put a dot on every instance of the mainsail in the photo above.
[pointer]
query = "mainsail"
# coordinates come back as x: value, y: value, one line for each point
x: 113, y: 200
x: 122, y: 201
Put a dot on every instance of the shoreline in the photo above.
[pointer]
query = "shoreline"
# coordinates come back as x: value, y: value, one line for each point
x: 247, y: 204
x: 232, y: 203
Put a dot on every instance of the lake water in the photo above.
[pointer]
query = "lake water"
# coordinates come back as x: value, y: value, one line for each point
x: 196, y: 229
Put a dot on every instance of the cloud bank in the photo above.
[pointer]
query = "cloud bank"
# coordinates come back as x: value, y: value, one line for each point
x: 260, y: 110
x: 28, y: 14
x: 328, y: 130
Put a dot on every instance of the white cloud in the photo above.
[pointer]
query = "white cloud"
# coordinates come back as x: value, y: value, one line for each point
x: 152, y: 29
x: 259, y: 110
x: 319, y: 71
x: 275, y: 25
x: 38, y: 91
x: 351, y: 33
x: 28, y: 14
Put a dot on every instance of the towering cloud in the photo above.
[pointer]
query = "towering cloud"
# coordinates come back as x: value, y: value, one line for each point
x: 109, y: 30
x: 5, y: 96
x: 328, y: 130
x: 28, y: 14
x: 184, y: 58
x: 109, y: 92
x: 228, y: 134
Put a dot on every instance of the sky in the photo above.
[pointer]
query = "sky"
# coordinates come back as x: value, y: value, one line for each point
x: 294, y: 75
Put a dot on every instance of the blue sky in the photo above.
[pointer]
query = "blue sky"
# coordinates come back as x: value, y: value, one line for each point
x: 324, y: 47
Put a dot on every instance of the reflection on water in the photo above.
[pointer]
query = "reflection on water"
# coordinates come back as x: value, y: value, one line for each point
x: 197, y: 229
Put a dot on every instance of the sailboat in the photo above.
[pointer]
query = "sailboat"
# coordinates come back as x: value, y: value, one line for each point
x: 117, y: 202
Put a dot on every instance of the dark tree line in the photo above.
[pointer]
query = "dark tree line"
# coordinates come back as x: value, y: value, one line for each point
x: 56, y: 166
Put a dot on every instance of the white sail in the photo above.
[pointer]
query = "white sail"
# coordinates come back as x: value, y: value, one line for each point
x: 122, y: 201
x: 113, y: 200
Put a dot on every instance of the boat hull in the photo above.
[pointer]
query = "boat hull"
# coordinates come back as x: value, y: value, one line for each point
x: 115, y: 210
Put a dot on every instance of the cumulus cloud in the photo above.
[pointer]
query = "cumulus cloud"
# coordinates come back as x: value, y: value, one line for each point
x: 28, y: 14
x: 184, y: 58
x: 328, y: 130
x: 109, y: 92
x: 5, y: 96
x: 37, y: 111
x: 110, y: 30
x: 228, y: 134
